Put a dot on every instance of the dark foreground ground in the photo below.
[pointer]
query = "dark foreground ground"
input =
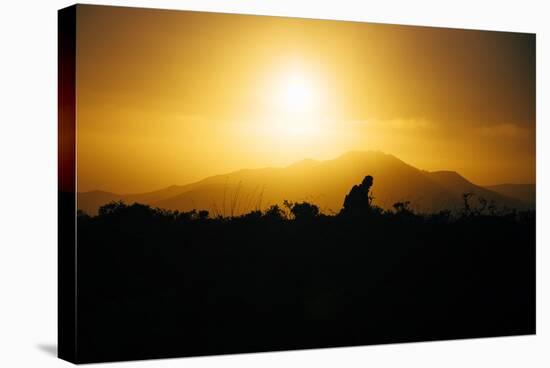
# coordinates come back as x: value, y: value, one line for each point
x: 155, y: 284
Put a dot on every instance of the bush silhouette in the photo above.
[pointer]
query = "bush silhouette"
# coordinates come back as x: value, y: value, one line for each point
x: 274, y: 213
x: 302, y: 211
x: 402, y: 207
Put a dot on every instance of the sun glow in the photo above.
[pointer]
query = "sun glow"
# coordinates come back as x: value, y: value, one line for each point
x: 297, y: 94
x: 295, y: 100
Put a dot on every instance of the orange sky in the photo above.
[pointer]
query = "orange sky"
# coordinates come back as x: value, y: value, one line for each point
x: 170, y: 97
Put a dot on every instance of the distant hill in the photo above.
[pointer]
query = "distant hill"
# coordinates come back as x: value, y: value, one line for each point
x: 324, y: 183
x: 523, y: 192
x: 459, y: 185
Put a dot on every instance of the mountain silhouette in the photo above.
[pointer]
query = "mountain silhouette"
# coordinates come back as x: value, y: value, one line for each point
x: 324, y: 183
x: 523, y: 192
x: 459, y: 185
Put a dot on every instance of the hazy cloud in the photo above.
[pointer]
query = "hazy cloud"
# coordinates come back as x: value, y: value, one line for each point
x: 506, y: 130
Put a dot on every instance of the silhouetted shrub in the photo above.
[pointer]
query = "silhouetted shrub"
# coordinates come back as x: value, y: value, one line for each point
x: 112, y: 208
x: 81, y: 215
x: 402, y: 207
x: 302, y: 211
x: 274, y: 213
x: 252, y: 215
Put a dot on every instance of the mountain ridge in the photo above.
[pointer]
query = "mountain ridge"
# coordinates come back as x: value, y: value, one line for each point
x: 244, y: 190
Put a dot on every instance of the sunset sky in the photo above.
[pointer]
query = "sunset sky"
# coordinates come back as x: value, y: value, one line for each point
x: 170, y: 97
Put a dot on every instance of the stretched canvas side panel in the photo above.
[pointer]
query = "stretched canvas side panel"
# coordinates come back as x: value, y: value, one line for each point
x: 67, y: 344
x: 228, y: 184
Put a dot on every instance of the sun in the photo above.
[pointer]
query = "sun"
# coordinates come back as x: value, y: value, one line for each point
x: 297, y: 94
x: 297, y: 106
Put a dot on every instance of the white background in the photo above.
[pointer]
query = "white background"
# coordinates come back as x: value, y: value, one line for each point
x: 28, y: 183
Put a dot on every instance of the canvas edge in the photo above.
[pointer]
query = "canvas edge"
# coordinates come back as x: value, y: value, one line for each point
x: 67, y: 265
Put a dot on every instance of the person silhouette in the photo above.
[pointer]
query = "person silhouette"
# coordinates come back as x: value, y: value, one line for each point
x: 358, y: 200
